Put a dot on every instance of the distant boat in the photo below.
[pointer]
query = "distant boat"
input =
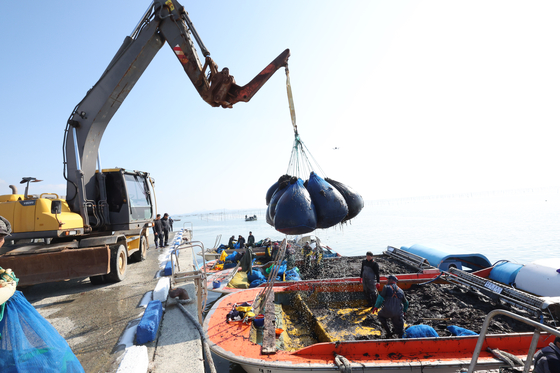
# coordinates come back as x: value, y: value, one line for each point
x: 251, y: 218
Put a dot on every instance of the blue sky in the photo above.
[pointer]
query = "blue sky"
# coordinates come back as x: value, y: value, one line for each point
x: 419, y: 97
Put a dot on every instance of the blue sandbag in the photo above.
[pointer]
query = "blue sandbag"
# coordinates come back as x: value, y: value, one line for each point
x: 229, y: 265
x: 149, y: 324
x: 274, y: 187
x: 353, y: 200
x: 420, y: 331
x: 30, y: 343
x: 295, y: 212
x: 330, y: 205
x: 221, y: 248
x: 457, y: 330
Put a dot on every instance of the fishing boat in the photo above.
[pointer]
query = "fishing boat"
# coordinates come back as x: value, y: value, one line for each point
x: 251, y: 218
x: 342, y: 337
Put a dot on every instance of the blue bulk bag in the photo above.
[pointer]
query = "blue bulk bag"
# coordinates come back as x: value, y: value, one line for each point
x: 457, y: 330
x: 271, y: 210
x: 271, y: 191
x: 420, y: 331
x: 275, y: 186
x: 295, y: 212
x: 353, y: 200
x: 330, y: 205
x: 30, y: 343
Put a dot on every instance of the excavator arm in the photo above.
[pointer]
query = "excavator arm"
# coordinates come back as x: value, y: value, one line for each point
x: 164, y: 21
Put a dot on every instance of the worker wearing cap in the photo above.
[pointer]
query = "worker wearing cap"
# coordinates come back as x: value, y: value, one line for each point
x: 394, y: 306
x: 5, y: 229
x: 369, y: 277
x: 547, y: 360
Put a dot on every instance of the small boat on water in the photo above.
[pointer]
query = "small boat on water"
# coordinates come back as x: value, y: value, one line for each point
x: 251, y: 218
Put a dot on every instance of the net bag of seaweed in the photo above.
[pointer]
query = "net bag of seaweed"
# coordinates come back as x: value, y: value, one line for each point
x: 296, y: 207
x: 29, y: 343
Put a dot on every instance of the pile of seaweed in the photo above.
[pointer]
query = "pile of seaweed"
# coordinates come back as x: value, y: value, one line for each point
x: 436, y: 305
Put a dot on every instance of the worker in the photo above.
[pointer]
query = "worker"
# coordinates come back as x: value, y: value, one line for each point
x: 158, y: 231
x: 231, y: 242
x: 31, y: 340
x: 251, y: 240
x: 241, y: 241
x: 5, y: 229
x: 394, y: 304
x: 547, y: 359
x: 369, y: 277
x: 166, y: 228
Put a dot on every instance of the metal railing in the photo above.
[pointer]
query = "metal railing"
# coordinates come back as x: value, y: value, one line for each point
x: 533, y: 346
x: 198, y: 275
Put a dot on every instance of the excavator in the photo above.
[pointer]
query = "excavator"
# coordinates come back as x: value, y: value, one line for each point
x: 104, y: 219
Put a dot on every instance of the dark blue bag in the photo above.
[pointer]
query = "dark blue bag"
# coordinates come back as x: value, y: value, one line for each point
x: 330, y: 205
x: 295, y: 212
x: 354, y: 201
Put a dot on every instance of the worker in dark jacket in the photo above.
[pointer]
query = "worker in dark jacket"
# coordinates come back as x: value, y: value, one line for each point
x: 251, y: 240
x: 241, y: 241
x: 369, y: 277
x: 394, y: 306
x: 166, y: 227
x: 547, y: 359
x: 158, y: 231
x: 231, y: 242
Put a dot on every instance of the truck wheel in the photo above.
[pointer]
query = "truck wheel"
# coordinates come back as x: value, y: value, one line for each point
x: 140, y: 255
x: 97, y: 280
x: 119, y: 261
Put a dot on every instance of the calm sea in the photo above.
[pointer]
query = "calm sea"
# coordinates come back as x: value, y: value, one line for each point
x: 520, y: 226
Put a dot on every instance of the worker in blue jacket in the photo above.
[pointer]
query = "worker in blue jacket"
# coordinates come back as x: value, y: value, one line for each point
x: 394, y: 304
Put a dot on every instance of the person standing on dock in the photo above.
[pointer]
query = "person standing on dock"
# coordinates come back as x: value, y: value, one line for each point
x: 166, y: 227
x: 158, y: 231
x: 394, y: 304
x: 369, y: 277
x: 251, y: 240
x: 170, y: 224
x: 547, y: 359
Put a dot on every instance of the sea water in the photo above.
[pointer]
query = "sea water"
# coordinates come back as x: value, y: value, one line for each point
x: 520, y: 226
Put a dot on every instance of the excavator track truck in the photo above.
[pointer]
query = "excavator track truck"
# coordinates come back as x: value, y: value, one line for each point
x: 107, y: 213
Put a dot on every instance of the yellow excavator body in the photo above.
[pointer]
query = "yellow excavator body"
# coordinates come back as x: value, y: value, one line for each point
x: 38, y: 214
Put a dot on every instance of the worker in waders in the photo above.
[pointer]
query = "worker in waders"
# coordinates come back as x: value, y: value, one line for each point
x: 394, y: 306
x: 369, y: 277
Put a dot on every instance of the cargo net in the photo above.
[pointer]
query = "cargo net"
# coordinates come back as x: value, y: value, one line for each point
x: 298, y: 207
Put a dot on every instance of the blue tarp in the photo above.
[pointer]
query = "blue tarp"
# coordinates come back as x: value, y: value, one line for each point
x: 457, y: 330
x: 420, y: 331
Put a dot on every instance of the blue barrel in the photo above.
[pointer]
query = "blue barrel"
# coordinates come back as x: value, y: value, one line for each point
x: 505, y: 272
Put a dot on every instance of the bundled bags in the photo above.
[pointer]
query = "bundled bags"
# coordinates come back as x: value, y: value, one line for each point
x: 295, y: 207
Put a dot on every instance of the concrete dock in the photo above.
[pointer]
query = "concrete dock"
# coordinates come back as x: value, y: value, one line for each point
x: 99, y: 321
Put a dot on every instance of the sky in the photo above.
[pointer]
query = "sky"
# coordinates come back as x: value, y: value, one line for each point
x: 392, y: 98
